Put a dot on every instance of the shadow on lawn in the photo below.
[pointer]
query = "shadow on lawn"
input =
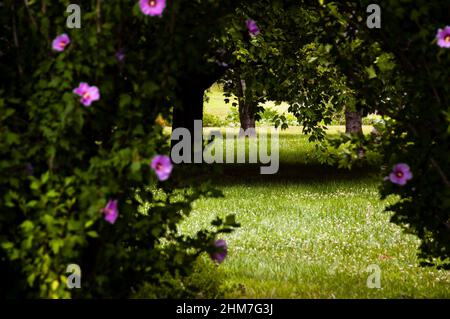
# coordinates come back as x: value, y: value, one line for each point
x: 226, y: 174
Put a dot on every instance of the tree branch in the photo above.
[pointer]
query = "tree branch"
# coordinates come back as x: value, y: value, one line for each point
x: 16, y: 38
x: 440, y: 171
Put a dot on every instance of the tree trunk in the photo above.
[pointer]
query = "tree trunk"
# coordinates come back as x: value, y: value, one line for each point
x: 184, y: 115
x: 190, y: 107
x: 353, y: 122
x: 246, y: 117
x: 246, y: 113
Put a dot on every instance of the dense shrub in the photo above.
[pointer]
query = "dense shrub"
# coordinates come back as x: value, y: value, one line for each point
x: 233, y: 116
x: 205, y: 281
x: 267, y: 116
x: 346, y: 150
x: 419, y: 133
x: 211, y: 120
x: 63, y: 162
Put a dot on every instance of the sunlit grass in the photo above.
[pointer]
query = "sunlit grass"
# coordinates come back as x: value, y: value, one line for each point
x: 215, y: 103
x: 311, y: 232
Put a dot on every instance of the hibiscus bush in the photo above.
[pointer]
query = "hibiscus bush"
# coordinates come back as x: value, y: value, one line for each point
x: 416, y: 148
x: 79, y: 180
x: 408, y: 81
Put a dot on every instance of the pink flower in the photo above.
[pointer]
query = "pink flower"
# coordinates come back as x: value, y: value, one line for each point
x: 111, y: 211
x: 221, y: 251
x: 88, y: 93
x: 60, y: 42
x: 162, y: 166
x: 252, y: 27
x: 152, y: 7
x: 120, y: 55
x: 400, y: 174
x: 443, y: 37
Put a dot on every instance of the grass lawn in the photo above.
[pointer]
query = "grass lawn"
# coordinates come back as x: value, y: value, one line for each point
x: 311, y: 231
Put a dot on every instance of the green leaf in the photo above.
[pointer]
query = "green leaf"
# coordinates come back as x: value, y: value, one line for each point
x: 44, y: 177
x: 52, y: 193
x: 35, y: 185
x: 88, y: 224
x: 27, y: 225
x: 55, y: 284
x: 149, y: 87
x: 92, y: 234
x: 32, y: 203
x: 125, y: 100
x: 135, y: 166
x: 56, y: 244
x: 371, y: 72
x: 7, y: 245
x: 385, y: 62
x: 69, y: 180
x: 11, y: 138
x: 31, y: 278
x: 7, y: 113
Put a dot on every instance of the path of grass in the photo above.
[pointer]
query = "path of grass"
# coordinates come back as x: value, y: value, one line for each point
x: 311, y: 231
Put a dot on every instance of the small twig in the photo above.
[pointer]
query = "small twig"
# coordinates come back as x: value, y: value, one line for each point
x: 99, y: 16
x: 29, y: 13
x: 436, y: 95
x: 440, y: 171
x: 172, y: 24
x: 16, y: 38
x: 434, y: 162
x: 98, y: 22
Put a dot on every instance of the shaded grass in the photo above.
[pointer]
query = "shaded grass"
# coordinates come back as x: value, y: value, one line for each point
x: 311, y: 232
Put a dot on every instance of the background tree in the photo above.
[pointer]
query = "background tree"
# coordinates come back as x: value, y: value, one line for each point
x: 250, y: 49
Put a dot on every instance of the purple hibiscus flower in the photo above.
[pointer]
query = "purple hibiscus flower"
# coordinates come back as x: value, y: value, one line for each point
x: 443, y: 37
x: 111, y: 211
x: 252, y: 27
x: 60, y: 42
x: 221, y: 246
x: 152, y: 7
x: 400, y: 174
x: 120, y: 56
x: 162, y: 165
x: 87, y: 93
